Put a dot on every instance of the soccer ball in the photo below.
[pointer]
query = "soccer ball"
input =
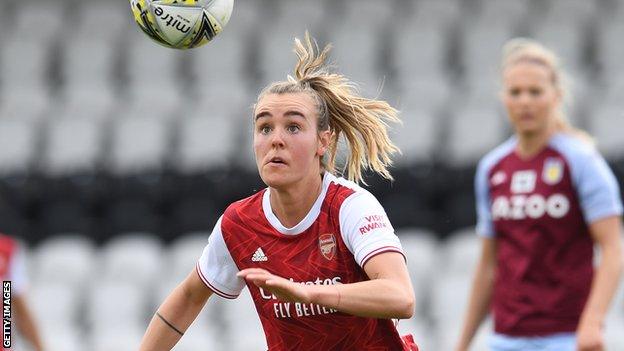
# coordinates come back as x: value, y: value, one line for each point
x: 182, y: 24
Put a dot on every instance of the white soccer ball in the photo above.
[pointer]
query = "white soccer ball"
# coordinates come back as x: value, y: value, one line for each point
x: 182, y: 24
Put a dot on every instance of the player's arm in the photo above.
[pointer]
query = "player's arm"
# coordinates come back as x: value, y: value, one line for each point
x: 388, y: 293
x: 175, y: 314
x: 24, y: 322
x: 607, y: 234
x: 480, y: 293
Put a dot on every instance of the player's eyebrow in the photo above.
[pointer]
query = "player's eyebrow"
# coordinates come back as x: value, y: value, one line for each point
x: 289, y: 113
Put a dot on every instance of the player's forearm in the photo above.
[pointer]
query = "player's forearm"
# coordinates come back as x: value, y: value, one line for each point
x: 604, y: 285
x: 171, y: 320
x: 377, y: 298
x: 26, y: 325
x: 478, y: 303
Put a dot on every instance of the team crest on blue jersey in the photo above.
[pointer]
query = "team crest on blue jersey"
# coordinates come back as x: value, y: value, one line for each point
x: 552, y: 172
x: 327, y: 244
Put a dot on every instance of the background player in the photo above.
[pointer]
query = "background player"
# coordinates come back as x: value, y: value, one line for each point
x: 317, y: 252
x: 544, y: 198
x: 12, y: 269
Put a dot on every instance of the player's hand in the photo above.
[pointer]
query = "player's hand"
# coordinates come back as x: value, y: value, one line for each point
x: 283, y: 289
x: 589, y: 337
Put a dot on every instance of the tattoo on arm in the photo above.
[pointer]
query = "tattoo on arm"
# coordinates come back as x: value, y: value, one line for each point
x: 169, y: 324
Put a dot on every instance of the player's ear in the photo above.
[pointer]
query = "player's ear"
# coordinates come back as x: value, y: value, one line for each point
x: 324, y: 138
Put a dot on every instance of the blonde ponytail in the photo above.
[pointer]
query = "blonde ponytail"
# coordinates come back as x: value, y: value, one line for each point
x: 363, y: 122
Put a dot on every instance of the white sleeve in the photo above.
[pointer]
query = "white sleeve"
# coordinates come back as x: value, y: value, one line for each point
x: 217, y: 269
x: 17, y: 272
x: 365, y: 228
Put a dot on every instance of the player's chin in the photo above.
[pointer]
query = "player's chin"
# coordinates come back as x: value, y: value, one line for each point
x: 275, y: 179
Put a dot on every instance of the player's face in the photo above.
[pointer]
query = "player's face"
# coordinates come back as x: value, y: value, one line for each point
x: 530, y: 97
x: 287, y: 143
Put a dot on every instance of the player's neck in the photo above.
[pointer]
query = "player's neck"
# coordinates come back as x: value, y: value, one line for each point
x: 530, y: 144
x: 292, y: 204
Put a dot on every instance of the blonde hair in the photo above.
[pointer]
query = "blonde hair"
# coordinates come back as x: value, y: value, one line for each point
x: 523, y: 50
x: 341, y: 110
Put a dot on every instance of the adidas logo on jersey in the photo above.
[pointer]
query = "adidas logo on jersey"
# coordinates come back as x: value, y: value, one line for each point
x: 259, y: 256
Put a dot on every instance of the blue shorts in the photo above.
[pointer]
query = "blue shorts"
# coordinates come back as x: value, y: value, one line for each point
x: 555, y: 342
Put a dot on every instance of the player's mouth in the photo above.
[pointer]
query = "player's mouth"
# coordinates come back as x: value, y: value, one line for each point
x: 276, y: 161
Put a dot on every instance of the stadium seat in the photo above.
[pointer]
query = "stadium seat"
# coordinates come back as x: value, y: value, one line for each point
x: 196, y: 152
x: 18, y: 145
x: 441, y: 11
x: 417, y: 137
x: 604, y: 125
x: 571, y: 10
x: 240, y: 314
x: 115, y: 306
x: 47, y: 17
x: 482, y: 44
x: 67, y: 259
x: 567, y: 39
x: 509, y: 11
x: 138, y: 144
x: 198, y: 338
x: 464, y: 147
x: 420, y: 51
x: 29, y: 84
x: 74, y: 145
x: 63, y: 338
x: 357, y: 56
x: 88, y: 70
x: 114, y: 14
x: 610, y: 56
x: 133, y: 258
x: 422, y: 251
x: 184, y: 252
x: 55, y: 304
x: 449, y: 300
x: 118, y: 339
x: 461, y: 252
x: 223, y: 66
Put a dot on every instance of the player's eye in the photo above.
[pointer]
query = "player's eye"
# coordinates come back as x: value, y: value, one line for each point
x: 514, y: 92
x: 293, y: 128
x: 264, y: 129
x: 535, y: 91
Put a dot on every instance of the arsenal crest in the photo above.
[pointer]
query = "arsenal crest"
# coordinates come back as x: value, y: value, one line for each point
x: 552, y: 171
x: 327, y: 244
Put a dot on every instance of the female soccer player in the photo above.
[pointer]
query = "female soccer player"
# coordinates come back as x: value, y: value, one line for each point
x: 544, y: 198
x: 317, y: 252
x: 13, y: 270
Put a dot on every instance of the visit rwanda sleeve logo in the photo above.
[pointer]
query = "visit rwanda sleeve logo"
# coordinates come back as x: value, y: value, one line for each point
x: 327, y: 244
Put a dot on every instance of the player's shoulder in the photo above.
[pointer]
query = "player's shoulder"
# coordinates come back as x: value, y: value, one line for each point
x: 250, y: 205
x: 572, y: 147
x: 497, y: 154
x: 341, y: 189
x: 345, y: 194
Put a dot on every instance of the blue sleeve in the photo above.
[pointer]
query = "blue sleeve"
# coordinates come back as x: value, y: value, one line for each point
x: 485, y: 227
x: 596, y: 186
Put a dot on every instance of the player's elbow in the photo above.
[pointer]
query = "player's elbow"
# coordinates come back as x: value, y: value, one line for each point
x: 406, y: 306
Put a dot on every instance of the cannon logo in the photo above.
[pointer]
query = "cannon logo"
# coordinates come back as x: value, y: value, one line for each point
x: 327, y: 245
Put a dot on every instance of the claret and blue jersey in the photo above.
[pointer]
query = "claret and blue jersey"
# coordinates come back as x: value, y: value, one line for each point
x: 539, y: 210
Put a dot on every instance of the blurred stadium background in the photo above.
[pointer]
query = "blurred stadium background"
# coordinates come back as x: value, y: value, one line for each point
x: 118, y: 155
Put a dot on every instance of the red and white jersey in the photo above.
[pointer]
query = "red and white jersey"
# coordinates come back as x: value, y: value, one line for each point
x: 344, y: 229
x: 12, y: 264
